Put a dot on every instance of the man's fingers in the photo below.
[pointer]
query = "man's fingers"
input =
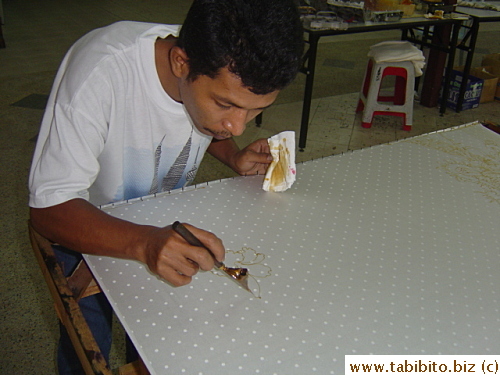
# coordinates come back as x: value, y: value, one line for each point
x: 263, y: 158
x: 177, y: 261
x: 175, y: 278
x: 260, y: 145
x: 212, y: 242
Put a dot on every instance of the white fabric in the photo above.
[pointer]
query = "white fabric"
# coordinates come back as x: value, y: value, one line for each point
x: 391, y: 51
x: 106, y: 116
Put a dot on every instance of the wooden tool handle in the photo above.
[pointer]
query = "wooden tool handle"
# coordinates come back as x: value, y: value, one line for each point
x: 192, y: 240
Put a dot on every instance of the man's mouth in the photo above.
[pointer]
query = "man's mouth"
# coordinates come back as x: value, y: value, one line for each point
x: 219, y: 136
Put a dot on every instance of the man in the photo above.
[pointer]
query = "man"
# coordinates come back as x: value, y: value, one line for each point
x: 133, y: 110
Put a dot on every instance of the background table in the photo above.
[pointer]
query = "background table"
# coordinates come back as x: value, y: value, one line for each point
x: 388, y: 250
x: 436, y: 40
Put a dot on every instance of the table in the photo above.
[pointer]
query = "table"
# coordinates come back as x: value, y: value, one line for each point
x: 468, y: 43
x: 392, y: 249
x: 405, y: 24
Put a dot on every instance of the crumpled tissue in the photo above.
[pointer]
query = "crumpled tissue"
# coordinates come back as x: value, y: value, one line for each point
x: 281, y: 173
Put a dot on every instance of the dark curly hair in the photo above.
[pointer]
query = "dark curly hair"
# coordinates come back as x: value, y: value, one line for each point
x: 260, y: 41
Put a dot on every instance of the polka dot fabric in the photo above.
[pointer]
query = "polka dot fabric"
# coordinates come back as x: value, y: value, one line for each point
x: 378, y: 251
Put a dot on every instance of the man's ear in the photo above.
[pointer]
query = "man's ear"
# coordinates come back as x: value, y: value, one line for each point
x: 179, y: 62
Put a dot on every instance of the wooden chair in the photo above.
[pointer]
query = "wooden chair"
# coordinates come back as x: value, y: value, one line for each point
x: 66, y: 293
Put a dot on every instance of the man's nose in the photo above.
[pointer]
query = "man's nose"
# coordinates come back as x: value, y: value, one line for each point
x: 236, y: 123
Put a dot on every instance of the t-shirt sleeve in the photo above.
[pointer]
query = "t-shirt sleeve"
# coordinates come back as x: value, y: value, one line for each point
x: 66, y: 162
x: 102, y: 109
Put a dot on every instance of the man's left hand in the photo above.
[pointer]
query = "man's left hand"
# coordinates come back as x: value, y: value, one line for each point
x: 253, y: 159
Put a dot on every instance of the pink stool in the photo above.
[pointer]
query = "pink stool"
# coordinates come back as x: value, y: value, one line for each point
x: 399, y: 103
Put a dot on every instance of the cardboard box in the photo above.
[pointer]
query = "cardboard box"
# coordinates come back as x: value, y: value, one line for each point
x: 490, y: 82
x: 472, y: 90
x: 494, y: 69
x: 493, y: 59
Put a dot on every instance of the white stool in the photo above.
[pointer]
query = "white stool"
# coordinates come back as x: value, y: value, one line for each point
x: 399, y: 103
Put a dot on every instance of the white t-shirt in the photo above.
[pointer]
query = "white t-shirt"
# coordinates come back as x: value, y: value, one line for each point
x: 110, y: 132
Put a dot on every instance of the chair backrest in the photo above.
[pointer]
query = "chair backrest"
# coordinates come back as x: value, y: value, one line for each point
x: 67, y: 308
x: 66, y: 293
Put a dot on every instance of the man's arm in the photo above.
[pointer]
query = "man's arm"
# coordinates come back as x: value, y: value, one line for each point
x: 80, y: 226
x: 253, y: 159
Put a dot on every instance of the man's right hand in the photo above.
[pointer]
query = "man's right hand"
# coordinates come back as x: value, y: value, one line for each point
x: 82, y: 227
x: 169, y: 256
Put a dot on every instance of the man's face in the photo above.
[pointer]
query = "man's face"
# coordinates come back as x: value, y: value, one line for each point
x: 221, y: 107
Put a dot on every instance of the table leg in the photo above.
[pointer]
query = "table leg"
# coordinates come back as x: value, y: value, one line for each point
x: 306, y: 107
x: 468, y: 63
x: 451, y: 61
x: 433, y: 78
x: 2, y: 40
x: 258, y: 120
x: 409, y: 35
